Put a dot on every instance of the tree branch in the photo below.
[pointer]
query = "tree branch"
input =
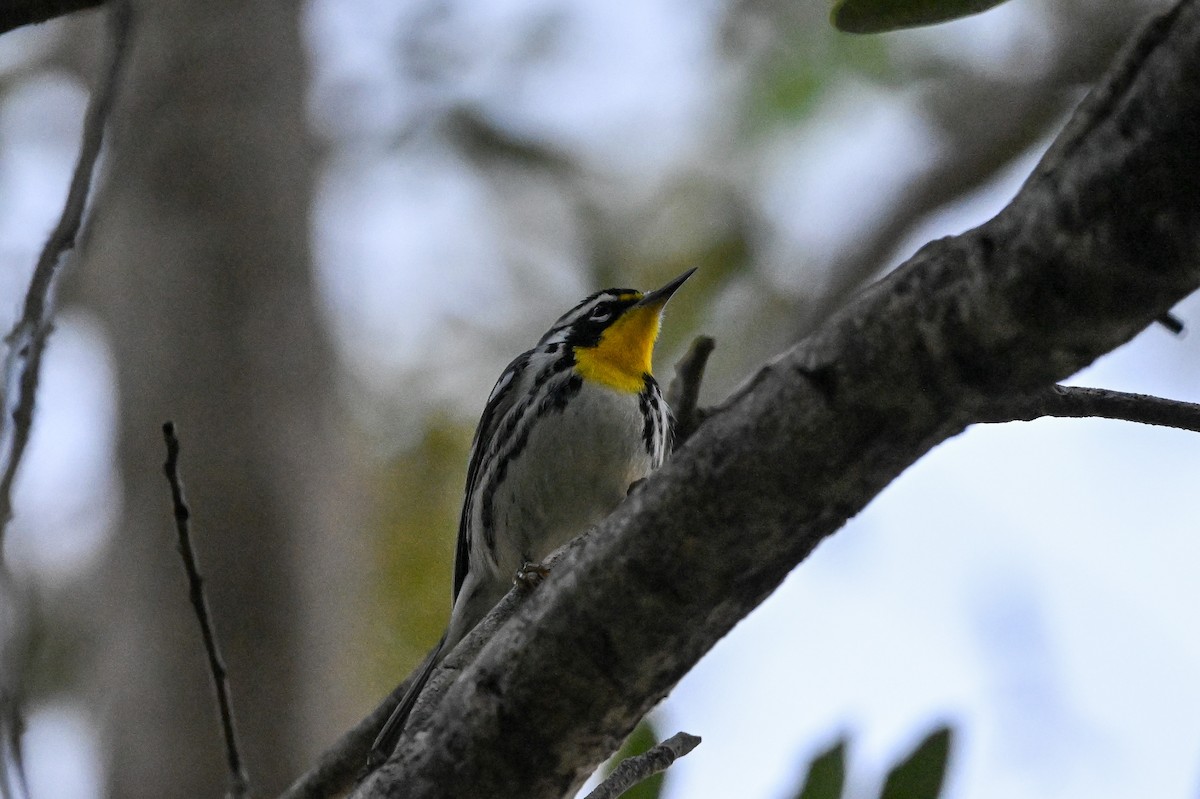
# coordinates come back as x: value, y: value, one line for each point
x: 1103, y: 237
x: 1077, y: 402
x: 238, y: 784
x: 27, y: 340
x: 22, y: 371
x: 655, y: 760
x: 18, y: 13
x: 684, y: 392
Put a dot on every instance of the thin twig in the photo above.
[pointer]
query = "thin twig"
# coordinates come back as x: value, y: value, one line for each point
x: 27, y: 340
x: 684, y: 391
x: 633, y: 770
x: 1077, y: 402
x: 238, y: 784
x: 22, y: 370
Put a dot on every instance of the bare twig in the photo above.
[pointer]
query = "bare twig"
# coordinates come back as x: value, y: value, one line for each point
x: 684, y: 391
x: 1078, y: 402
x: 22, y: 370
x: 27, y: 340
x: 633, y: 770
x: 238, y: 784
x: 1172, y: 323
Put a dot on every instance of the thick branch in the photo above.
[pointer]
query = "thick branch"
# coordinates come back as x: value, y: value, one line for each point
x: 1077, y: 402
x: 1102, y: 238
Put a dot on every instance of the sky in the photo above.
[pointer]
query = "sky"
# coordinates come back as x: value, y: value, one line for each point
x: 1030, y: 583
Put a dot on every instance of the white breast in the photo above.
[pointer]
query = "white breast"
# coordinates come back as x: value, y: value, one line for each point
x: 574, y: 470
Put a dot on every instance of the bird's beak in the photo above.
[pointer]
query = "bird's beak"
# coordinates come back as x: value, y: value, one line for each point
x: 658, y: 298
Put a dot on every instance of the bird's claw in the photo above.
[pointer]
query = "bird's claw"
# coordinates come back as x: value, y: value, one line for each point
x: 530, y: 576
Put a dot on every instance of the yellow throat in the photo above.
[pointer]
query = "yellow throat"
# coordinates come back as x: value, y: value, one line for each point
x: 621, y: 359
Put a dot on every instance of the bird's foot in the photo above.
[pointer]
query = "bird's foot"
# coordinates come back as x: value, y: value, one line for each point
x: 530, y: 576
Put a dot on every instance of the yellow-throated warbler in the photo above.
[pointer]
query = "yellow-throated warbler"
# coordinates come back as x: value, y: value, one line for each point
x: 569, y: 426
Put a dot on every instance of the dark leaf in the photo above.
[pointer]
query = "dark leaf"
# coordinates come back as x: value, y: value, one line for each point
x: 921, y: 775
x: 826, y: 774
x: 877, y: 16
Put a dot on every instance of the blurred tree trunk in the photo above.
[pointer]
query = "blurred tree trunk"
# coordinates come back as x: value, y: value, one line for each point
x: 198, y: 261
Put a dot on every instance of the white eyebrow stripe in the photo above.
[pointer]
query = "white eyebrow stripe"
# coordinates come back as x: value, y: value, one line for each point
x: 559, y: 332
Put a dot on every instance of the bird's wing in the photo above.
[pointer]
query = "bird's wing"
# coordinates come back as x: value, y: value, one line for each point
x: 509, y: 387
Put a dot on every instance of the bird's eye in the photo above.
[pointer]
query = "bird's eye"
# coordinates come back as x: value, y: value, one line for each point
x: 600, y: 314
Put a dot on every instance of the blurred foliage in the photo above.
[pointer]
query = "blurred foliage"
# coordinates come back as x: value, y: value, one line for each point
x: 877, y: 16
x: 419, y: 495
x: 826, y: 774
x: 919, y: 776
x: 802, y: 65
x: 643, y: 738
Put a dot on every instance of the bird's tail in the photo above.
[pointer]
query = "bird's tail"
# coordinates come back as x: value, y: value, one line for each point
x: 385, y: 742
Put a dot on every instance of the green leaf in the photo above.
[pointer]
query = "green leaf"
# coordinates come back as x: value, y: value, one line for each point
x: 826, y: 774
x: 643, y: 738
x: 877, y: 16
x: 796, y: 72
x: 921, y: 775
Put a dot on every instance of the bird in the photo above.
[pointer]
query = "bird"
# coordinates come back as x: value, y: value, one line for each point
x: 570, y: 425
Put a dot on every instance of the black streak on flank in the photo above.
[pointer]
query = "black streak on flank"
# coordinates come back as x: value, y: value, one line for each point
x: 648, y: 404
x: 555, y: 399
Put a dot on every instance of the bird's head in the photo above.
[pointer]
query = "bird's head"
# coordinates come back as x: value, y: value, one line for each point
x: 612, y: 334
